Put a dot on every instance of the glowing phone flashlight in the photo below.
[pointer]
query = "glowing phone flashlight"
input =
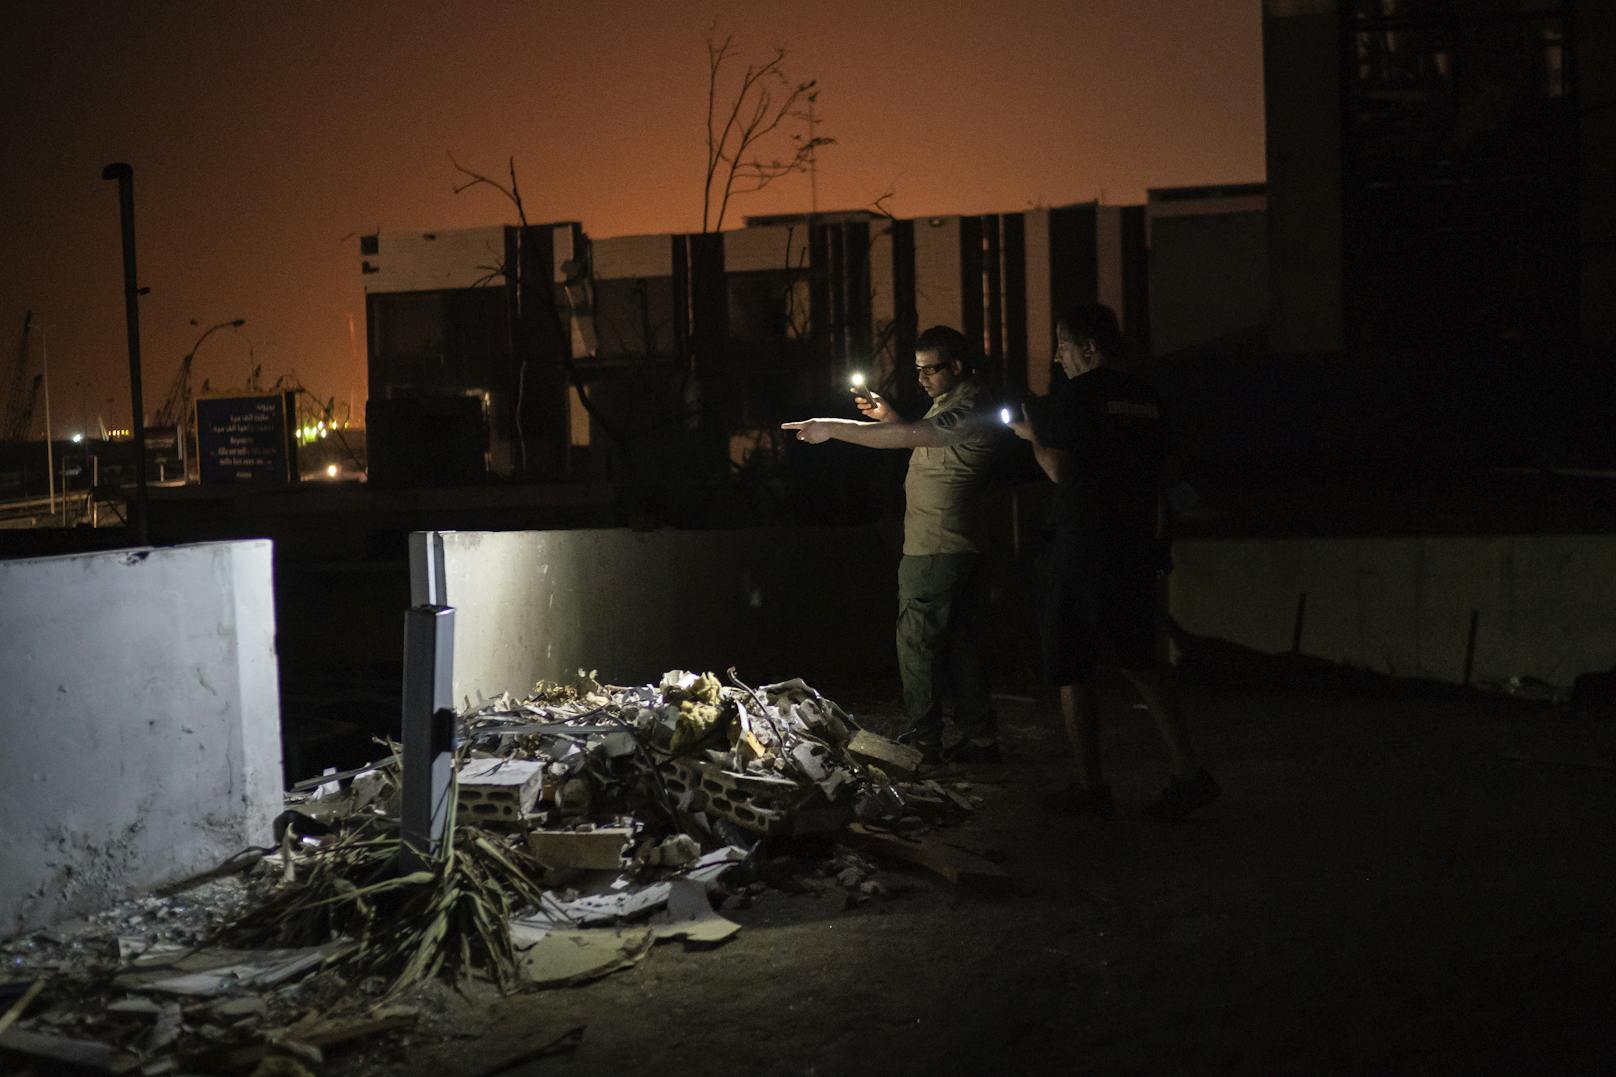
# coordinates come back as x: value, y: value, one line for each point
x: 1004, y: 416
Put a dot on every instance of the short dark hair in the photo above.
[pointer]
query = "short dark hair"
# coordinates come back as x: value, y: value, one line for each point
x: 1096, y: 322
x: 949, y: 344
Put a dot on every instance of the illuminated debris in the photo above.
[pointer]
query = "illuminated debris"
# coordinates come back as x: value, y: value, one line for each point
x: 599, y: 848
x: 899, y: 760
x: 495, y: 791
x: 588, y: 822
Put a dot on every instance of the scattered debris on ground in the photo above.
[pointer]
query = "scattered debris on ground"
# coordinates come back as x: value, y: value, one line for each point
x: 584, y: 824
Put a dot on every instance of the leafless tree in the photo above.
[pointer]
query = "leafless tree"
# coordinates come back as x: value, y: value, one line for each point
x: 764, y: 100
x: 541, y: 296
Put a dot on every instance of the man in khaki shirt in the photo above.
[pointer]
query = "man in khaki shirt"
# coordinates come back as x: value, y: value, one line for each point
x: 941, y: 581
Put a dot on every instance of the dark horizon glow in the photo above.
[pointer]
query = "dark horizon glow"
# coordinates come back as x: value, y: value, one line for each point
x: 264, y: 140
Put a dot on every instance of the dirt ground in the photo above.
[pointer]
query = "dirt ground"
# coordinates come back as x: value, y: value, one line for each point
x: 1398, y: 882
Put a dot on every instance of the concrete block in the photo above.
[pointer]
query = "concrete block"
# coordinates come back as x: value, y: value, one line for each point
x: 759, y: 804
x: 498, y: 790
x: 597, y: 849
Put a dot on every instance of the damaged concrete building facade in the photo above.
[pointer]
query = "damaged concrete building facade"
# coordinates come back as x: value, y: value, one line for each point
x: 542, y: 351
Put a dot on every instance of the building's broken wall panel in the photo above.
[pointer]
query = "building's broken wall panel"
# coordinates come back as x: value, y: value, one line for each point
x: 433, y: 261
x: 939, y: 298
x: 1545, y: 605
x: 775, y: 602
x: 1041, y: 302
x: 142, y: 710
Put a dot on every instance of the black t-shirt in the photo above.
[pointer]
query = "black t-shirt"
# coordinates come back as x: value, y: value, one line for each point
x: 1113, y: 424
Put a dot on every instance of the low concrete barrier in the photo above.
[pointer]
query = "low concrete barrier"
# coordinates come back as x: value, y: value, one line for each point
x: 141, y: 713
x: 1542, y: 606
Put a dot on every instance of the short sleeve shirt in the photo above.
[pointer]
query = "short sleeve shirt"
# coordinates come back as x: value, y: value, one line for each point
x: 1115, y: 428
x: 943, y: 489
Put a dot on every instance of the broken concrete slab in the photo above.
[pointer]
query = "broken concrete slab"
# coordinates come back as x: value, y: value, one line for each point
x: 897, y: 760
x: 600, y: 848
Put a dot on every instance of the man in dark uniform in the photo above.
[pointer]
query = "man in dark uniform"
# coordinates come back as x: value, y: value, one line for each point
x: 1103, y: 439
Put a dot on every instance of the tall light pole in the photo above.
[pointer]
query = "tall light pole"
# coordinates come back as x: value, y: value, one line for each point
x: 125, y: 176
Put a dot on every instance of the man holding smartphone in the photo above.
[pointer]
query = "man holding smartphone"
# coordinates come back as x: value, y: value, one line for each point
x: 1102, y: 438
x: 942, y: 586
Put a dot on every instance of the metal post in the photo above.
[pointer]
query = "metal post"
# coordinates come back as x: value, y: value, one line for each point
x: 428, y: 732
x: 131, y: 302
x: 50, y: 463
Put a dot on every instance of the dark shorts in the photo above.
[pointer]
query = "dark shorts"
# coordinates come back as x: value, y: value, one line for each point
x: 1095, y: 606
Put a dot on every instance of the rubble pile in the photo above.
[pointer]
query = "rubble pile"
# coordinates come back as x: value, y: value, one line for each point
x: 583, y: 824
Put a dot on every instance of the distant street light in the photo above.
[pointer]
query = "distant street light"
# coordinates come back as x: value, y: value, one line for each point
x: 234, y: 323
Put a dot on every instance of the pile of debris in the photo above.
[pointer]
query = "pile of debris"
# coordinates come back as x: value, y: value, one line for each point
x: 580, y: 826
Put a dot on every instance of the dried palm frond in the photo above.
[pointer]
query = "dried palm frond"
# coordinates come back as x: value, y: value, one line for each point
x: 452, y: 916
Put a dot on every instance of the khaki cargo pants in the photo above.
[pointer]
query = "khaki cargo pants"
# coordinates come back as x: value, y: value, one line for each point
x: 942, y: 602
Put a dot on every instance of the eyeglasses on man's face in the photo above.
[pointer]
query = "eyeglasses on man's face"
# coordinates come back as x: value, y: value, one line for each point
x: 930, y: 370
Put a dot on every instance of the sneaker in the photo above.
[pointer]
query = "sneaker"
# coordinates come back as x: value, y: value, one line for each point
x: 1182, y: 796
x: 1081, y: 800
x: 969, y: 751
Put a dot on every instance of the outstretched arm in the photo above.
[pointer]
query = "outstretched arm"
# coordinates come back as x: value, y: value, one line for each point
x: 872, y: 435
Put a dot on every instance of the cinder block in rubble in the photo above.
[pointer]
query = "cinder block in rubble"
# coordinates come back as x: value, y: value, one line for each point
x: 600, y: 848
x: 760, y: 804
x: 898, y: 760
x: 498, y: 790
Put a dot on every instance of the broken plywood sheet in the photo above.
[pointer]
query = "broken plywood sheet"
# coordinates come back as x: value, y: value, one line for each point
x: 964, y: 870
x: 319, y: 1031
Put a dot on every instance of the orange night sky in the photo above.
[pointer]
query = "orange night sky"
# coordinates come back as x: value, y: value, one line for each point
x: 263, y: 137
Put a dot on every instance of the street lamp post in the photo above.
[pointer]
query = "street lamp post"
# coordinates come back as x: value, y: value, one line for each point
x: 125, y: 176
x: 233, y: 323
x: 180, y: 418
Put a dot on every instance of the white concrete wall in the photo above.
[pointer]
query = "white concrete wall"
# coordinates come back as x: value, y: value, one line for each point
x: 140, y: 707
x: 429, y: 261
x: 938, y: 296
x: 630, y: 257
x: 633, y: 604
x: 1545, y: 604
x: 1040, y: 305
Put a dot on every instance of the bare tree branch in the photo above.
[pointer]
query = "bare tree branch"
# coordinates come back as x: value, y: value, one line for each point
x: 764, y: 100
